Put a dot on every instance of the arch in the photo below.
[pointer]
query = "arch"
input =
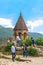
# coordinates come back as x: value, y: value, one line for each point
x: 20, y: 34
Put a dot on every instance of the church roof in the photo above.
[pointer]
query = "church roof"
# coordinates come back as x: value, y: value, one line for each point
x: 20, y: 25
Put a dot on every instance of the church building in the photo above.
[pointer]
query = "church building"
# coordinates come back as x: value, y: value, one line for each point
x: 20, y: 28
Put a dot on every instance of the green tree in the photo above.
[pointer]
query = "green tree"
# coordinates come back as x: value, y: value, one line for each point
x: 28, y: 41
x: 39, y: 41
x: 32, y: 51
x: 8, y: 47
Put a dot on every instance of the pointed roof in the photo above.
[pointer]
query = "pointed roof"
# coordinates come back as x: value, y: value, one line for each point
x: 20, y: 25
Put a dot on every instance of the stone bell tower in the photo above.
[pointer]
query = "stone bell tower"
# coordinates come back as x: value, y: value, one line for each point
x: 20, y: 28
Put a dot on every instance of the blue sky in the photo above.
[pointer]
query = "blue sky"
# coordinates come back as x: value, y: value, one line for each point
x: 32, y: 12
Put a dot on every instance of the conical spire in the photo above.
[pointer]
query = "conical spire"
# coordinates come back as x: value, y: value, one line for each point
x: 20, y: 25
x: 20, y: 13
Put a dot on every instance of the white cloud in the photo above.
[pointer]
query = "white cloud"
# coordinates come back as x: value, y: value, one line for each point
x: 6, y: 22
x: 34, y: 24
x: 41, y: 32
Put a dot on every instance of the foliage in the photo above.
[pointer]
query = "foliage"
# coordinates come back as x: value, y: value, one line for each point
x: 18, y: 58
x: 39, y: 41
x: 32, y: 51
x: 8, y: 47
x: 28, y: 41
x: 21, y: 42
x: 5, y: 33
x: 1, y: 48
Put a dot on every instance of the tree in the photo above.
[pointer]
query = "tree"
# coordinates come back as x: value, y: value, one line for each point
x: 39, y: 41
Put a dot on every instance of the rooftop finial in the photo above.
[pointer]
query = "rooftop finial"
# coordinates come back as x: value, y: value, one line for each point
x: 20, y: 14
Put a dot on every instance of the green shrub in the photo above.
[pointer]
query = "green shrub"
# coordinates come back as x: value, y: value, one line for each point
x: 28, y: 41
x: 8, y: 47
x: 18, y: 58
x: 39, y: 41
x: 1, y: 48
x: 21, y: 42
x: 32, y: 51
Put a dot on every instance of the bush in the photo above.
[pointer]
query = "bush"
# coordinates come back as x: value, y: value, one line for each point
x: 39, y: 41
x: 21, y: 42
x: 18, y: 58
x: 28, y: 41
x: 8, y: 47
x: 32, y: 51
x: 1, y: 48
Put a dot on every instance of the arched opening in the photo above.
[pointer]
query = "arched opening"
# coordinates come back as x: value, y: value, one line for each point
x: 25, y: 35
x: 20, y: 34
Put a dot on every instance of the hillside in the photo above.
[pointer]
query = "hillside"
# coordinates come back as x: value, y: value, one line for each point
x: 35, y: 35
x: 5, y: 33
